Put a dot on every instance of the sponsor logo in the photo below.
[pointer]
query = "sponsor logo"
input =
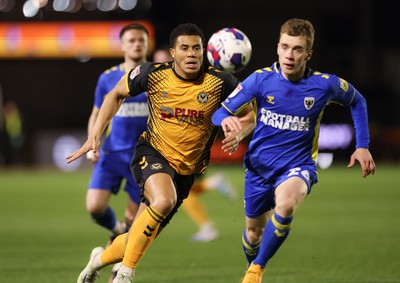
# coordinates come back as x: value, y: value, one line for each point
x: 166, y: 113
x: 283, y: 121
x: 133, y: 109
x: 134, y: 73
x: 182, y: 115
x: 270, y: 99
x: 236, y: 91
x: 308, y: 102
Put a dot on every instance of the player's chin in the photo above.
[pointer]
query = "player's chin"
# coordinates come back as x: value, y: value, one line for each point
x: 192, y: 68
x: 136, y: 56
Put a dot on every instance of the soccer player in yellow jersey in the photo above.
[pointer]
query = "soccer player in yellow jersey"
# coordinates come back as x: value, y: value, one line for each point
x: 182, y: 96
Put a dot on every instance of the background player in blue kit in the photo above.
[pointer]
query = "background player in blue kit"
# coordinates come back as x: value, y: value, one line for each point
x: 112, y: 165
x: 281, y: 159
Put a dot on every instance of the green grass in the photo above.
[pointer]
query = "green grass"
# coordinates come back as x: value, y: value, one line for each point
x: 347, y: 230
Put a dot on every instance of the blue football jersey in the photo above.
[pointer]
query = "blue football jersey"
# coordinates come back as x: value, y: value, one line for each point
x: 288, y: 116
x: 130, y: 121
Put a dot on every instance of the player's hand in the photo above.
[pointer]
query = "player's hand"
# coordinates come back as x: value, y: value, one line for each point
x: 231, y: 142
x: 231, y: 123
x: 364, y: 157
x: 88, y: 145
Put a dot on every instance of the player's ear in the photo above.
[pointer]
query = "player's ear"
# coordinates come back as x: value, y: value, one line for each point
x: 172, y: 52
x: 309, y: 55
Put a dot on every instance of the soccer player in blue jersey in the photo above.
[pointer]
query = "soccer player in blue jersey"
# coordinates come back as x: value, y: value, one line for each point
x: 281, y: 158
x: 112, y: 165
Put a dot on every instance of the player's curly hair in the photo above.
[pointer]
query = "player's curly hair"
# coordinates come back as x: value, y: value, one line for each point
x: 299, y: 27
x: 186, y: 29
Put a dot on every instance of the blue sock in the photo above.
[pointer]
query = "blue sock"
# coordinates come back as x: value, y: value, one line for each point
x: 275, y: 233
x: 107, y: 220
x: 250, y: 251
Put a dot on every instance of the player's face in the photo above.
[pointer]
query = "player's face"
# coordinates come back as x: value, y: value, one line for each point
x: 293, y: 56
x: 134, y: 44
x: 188, y: 56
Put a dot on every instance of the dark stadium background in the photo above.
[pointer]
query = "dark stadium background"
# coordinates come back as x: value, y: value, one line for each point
x: 357, y: 40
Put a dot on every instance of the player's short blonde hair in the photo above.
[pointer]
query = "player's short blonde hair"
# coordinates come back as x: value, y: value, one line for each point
x: 299, y: 27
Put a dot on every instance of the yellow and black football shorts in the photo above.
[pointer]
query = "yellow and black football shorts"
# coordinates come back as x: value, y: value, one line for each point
x: 148, y: 161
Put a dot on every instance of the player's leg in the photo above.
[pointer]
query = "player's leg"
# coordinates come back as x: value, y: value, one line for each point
x: 159, y: 190
x: 131, y: 210
x: 196, y: 210
x: 155, y: 177
x: 288, y: 196
x: 103, y: 183
x: 97, y: 204
x: 259, y: 201
x: 219, y: 182
x: 252, y: 235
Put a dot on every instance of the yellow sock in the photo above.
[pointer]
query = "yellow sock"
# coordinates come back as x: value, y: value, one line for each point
x: 195, y: 209
x: 141, y: 235
x: 115, y: 252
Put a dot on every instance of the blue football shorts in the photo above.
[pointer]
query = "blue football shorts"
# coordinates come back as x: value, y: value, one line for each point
x: 259, y: 193
x: 110, y: 171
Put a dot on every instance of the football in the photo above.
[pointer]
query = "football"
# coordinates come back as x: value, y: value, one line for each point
x: 229, y: 50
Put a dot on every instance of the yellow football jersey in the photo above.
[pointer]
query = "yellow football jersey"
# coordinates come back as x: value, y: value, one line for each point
x: 179, y: 124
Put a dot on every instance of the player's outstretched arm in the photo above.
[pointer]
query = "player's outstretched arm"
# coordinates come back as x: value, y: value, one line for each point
x: 364, y: 157
x: 110, y: 106
x: 93, y: 157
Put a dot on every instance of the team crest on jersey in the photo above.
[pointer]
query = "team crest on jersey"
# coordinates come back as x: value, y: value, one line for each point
x: 156, y: 166
x: 270, y: 99
x: 202, y: 97
x: 308, y: 102
x: 343, y: 84
x: 134, y: 73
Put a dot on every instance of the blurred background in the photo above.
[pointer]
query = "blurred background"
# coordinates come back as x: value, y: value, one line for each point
x: 52, y: 52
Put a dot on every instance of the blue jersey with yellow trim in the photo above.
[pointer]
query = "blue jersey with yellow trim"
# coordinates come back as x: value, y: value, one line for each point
x: 130, y: 121
x: 288, y: 116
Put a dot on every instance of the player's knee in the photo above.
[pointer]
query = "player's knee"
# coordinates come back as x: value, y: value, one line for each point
x: 286, y: 207
x: 164, y: 203
x: 96, y: 210
x: 254, y: 234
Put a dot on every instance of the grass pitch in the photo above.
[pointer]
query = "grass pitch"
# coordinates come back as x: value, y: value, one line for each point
x: 347, y: 230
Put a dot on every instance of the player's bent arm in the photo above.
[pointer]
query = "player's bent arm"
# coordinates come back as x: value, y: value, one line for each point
x: 359, y: 115
x: 93, y: 157
x: 360, y: 119
x: 92, y: 119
